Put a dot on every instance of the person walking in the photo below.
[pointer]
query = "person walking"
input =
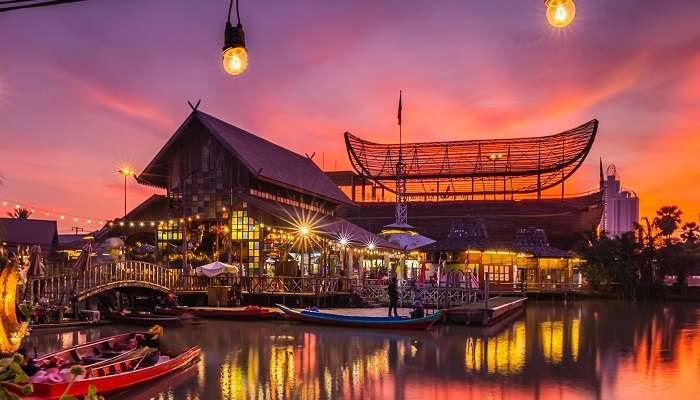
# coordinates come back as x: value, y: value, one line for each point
x: 393, y: 291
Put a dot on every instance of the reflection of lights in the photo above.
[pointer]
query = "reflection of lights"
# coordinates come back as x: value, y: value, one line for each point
x: 575, y: 329
x: 504, y: 354
x: 552, y: 339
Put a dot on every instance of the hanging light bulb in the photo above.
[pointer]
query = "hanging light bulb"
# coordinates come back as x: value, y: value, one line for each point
x: 560, y: 13
x: 235, y: 57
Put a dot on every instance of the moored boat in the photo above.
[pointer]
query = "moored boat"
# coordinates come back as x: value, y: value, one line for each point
x: 65, y: 325
x: 144, y: 319
x: 239, y: 313
x: 107, y: 349
x: 322, y: 318
x: 120, y: 375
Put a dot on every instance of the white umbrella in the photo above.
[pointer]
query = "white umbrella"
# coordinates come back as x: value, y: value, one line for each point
x: 215, y: 269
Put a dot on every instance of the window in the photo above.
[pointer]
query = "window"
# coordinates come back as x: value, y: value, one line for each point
x: 245, y: 229
x: 498, y: 273
x: 168, y: 232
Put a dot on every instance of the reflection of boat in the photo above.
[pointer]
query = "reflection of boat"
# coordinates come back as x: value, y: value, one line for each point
x: 159, y: 389
x: 144, y: 319
x: 120, y: 375
x: 362, y: 322
x: 247, y: 313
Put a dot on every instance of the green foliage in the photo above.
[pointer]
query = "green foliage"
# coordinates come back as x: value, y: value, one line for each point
x: 12, y: 376
x: 634, y: 264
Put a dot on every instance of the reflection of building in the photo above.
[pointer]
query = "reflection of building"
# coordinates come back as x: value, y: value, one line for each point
x: 621, y: 207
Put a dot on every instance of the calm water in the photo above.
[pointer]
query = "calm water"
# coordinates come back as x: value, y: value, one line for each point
x: 578, y: 350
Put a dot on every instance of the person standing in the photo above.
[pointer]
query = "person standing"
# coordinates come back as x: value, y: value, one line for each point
x: 393, y: 291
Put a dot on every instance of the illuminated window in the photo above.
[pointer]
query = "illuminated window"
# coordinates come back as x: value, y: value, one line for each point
x: 498, y: 273
x: 245, y: 229
x: 168, y: 232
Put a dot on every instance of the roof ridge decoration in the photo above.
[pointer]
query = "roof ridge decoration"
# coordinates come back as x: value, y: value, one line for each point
x: 476, y: 167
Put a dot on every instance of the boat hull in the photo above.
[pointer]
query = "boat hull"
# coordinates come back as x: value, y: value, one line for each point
x: 224, y: 313
x: 116, y: 382
x: 362, y: 322
x: 145, y: 320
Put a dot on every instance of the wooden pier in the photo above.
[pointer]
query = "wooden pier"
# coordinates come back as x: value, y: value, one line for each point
x: 486, y: 312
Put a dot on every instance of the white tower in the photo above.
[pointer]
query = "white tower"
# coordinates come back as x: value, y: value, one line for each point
x: 621, y: 207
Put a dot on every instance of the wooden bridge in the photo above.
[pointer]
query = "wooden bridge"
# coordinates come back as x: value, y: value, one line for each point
x: 100, y: 278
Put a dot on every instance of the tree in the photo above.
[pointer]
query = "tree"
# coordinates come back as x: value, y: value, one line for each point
x: 690, y: 232
x: 667, y: 220
x: 21, y: 213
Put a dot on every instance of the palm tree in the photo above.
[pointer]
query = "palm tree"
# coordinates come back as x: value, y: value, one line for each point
x: 21, y: 213
x: 690, y: 232
x: 667, y: 220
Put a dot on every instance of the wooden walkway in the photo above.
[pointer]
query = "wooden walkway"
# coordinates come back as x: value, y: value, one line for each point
x: 486, y: 313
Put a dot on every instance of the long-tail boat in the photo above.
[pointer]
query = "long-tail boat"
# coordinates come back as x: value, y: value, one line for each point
x: 322, y: 318
x: 119, y: 375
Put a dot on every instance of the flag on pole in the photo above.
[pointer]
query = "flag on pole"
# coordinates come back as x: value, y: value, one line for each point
x: 399, y: 115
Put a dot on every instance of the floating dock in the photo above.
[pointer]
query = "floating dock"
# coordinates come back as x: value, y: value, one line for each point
x: 486, y: 313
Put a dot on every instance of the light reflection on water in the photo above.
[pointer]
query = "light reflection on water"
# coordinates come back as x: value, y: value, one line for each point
x: 586, y: 349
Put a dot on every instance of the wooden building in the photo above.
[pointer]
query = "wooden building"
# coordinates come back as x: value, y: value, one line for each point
x: 246, y: 200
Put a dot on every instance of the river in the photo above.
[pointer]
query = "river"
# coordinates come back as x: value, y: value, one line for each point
x: 555, y: 350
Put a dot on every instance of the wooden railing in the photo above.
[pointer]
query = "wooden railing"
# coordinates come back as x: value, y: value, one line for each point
x: 435, y: 296
x: 100, y: 277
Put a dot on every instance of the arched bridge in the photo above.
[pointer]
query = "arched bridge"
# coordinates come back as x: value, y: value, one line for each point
x: 100, y: 278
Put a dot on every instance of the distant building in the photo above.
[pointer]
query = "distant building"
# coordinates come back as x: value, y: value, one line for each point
x: 17, y: 233
x: 621, y: 207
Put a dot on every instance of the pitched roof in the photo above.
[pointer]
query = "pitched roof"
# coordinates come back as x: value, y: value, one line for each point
x: 265, y: 160
x: 22, y: 231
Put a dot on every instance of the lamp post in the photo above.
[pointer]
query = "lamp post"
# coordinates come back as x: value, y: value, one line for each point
x: 126, y: 172
x: 495, y: 157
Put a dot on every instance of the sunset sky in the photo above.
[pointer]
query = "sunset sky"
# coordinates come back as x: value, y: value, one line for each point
x: 88, y: 87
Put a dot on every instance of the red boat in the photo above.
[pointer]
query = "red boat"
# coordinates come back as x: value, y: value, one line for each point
x: 119, y: 375
x: 322, y: 318
x: 247, y: 313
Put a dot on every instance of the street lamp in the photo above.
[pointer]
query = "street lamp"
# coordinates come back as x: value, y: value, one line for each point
x: 560, y: 13
x: 235, y: 57
x: 126, y: 172
x: 495, y: 157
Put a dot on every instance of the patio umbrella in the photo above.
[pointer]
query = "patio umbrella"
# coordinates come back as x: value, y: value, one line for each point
x: 36, y: 264
x: 215, y: 269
